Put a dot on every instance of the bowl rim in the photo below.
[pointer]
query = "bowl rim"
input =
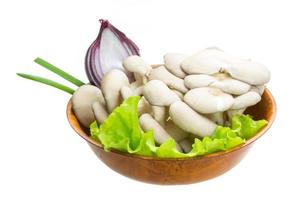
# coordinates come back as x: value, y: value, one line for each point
x: 71, y: 118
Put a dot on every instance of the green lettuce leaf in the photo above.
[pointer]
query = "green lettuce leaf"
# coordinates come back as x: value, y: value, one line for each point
x: 121, y: 131
x: 246, y: 126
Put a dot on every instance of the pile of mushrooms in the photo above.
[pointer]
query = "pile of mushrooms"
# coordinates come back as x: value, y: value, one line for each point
x: 187, y: 97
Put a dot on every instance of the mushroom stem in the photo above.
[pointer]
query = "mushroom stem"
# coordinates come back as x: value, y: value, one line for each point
x: 144, y: 106
x: 160, y: 114
x: 160, y: 134
x: 189, y: 120
x: 186, y: 145
x: 217, y: 117
x: 172, y: 81
x: 233, y: 112
x: 177, y: 133
x: 126, y: 92
x: 99, y: 112
x: 111, y: 85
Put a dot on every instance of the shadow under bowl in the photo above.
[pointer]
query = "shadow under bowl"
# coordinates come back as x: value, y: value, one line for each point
x: 178, y: 170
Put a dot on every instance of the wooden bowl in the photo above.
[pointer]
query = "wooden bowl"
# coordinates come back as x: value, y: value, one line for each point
x: 182, y: 170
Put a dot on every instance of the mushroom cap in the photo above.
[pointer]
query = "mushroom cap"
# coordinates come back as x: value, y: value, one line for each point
x: 211, y: 61
x: 249, y: 71
x: 82, y: 101
x: 207, y: 61
x: 189, y: 120
x: 258, y: 88
x: 221, y: 81
x: 172, y: 62
x: 208, y: 100
x: 229, y: 85
x: 137, y: 65
x: 161, y: 73
x: 158, y: 93
x: 245, y: 100
x: 111, y: 84
x: 198, y: 80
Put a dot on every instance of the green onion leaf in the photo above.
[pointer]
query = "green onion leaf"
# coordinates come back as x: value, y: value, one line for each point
x: 47, y: 82
x: 59, y: 72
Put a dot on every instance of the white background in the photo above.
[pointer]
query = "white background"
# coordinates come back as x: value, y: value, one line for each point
x: 42, y: 157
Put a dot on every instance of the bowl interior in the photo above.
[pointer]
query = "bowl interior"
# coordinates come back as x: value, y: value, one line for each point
x: 265, y: 109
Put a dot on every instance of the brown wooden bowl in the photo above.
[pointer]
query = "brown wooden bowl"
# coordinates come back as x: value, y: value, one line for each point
x: 182, y: 170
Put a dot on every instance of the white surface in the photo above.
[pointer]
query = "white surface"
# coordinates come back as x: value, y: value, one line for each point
x: 42, y: 157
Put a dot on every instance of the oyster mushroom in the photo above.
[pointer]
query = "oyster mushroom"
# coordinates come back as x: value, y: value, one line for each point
x: 221, y: 81
x: 210, y: 101
x: 186, y: 145
x: 126, y: 92
x: 161, y: 73
x: 242, y: 102
x: 190, y: 121
x: 138, y: 66
x: 177, y: 133
x: 144, y: 106
x: 212, y: 61
x: 158, y: 94
x: 248, y: 71
x: 111, y: 85
x: 198, y: 80
x: 160, y: 114
x: 179, y: 94
x: 99, y: 111
x: 258, y: 88
x: 82, y: 101
x: 172, y: 62
x: 207, y: 61
x: 160, y: 134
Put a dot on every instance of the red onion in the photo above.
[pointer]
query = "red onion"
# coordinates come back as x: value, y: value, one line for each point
x: 107, y: 52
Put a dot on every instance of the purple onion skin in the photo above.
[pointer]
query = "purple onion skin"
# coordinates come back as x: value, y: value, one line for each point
x: 93, y: 66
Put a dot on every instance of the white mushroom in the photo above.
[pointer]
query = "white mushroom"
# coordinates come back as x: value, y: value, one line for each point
x: 82, y: 101
x: 179, y: 94
x: 177, y: 133
x: 136, y: 84
x: 232, y: 112
x: 138, y: 66
x: 258, y: 88
x: 144, y: 106
x: 211, y: 101
x: 186, y: 145
x: 160, y: 114
x: 248, y: 71
x: 242, y: 102
x: 161, y: 73
x: 208, y: 100
x: 172, y: 63
x: 158, y: 94
x: 99, y: 111
x: 207, y: 61
x: 111, y: 84
x: 211, y: 61
x: 198, y: 80
x: 126, y: 92
x: 160, y: 135
x: 190, y: 121
x: 249, y: 99
x: 217, y: 117
x: 219, y: 80
x: 229, y: 85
